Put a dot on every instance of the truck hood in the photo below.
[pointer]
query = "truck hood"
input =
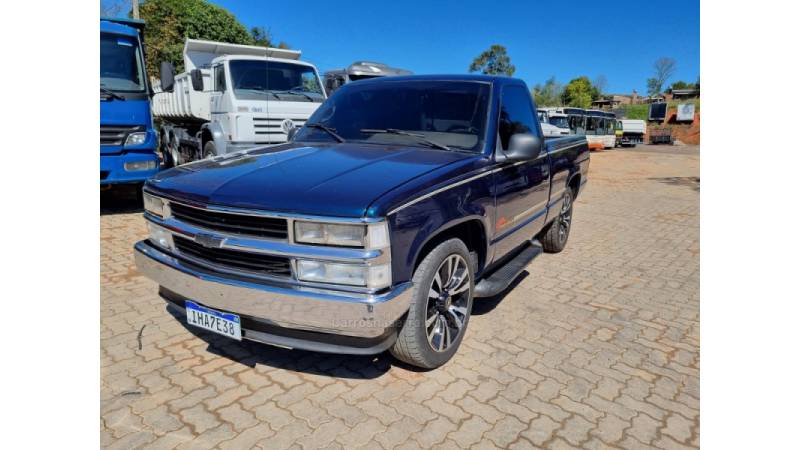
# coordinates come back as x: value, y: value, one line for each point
x: 319, y: 179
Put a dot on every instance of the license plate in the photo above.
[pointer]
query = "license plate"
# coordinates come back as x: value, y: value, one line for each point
x: 226, y: 324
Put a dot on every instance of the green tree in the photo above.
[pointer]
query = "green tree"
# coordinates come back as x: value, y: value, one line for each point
x: 548, y: 94
x: 170, y: 22
x: 580, y: 92
x: 494, y: 61
x: 261, y: 36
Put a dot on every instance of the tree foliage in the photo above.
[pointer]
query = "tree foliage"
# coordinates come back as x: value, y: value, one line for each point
x: 261, y: 36
x: 580, y: 92
x: 663, y: 69
x: 494, y: 61
x: 170, y: 22
x: 680, y: 84
x: 548, y: 94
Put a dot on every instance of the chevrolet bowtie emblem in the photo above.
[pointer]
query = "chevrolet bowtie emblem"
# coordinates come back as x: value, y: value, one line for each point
x: 207, y: 240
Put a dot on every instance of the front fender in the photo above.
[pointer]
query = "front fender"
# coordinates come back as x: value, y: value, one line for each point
x: 416, y: 225
x: 217, y: 135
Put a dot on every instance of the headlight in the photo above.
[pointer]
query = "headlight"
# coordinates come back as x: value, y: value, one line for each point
x: 371, y: 236
x: 153, y: 205
x: 160, y: 236
x: 372, y: 277
x: 136, y: 139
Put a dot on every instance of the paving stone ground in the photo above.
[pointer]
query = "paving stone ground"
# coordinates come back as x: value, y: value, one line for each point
x: 595, y: 347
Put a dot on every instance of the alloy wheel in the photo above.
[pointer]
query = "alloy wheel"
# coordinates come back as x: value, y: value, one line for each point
x: 448, y: 299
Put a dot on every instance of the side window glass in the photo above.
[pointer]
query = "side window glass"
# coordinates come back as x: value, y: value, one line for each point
x: 516, y: 114
x: 219, y: 78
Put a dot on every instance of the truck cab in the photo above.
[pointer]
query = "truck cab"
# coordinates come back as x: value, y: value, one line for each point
x: 233, y: 97
x: 127, y: 139
x: 359, y: 70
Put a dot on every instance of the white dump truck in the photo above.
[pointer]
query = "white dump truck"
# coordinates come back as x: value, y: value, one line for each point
x: 232, y: 97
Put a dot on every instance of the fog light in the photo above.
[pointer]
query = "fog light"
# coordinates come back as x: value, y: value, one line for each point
x: 160, y: 237
x: 138, y: 166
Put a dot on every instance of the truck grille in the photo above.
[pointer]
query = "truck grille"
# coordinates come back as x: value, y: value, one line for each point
x: 277, y: 266
x: 116, y: 134
x: 267, y: 227
x: 272, y: 127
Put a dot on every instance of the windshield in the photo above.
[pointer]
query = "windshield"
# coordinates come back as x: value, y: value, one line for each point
x: 252, y: 80
x: 120, y: 64
x: 450, y: 113
x: 542, y: 116
x: 560, y: 122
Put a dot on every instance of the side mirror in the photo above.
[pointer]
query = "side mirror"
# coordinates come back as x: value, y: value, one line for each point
x: 522, y: 146
x: 291, y: 134
x: 167, y: 74
x: 197, y: 79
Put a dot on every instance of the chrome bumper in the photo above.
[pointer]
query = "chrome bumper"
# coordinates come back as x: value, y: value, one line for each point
x: 293, y: 307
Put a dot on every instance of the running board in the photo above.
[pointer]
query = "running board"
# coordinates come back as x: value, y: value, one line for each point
x: 508, y: 272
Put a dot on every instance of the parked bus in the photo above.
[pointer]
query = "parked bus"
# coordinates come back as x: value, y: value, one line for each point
x: 600, y: 129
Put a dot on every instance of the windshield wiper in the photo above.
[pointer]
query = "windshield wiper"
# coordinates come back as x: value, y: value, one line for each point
x: 111, y: 93
x: 327, y: 129
x: 295, y: 92
x: 420, y: 137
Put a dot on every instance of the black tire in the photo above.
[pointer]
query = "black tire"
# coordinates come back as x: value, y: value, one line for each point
x: 432, y: 317
x: 209, y: 150
x: 554, y: 237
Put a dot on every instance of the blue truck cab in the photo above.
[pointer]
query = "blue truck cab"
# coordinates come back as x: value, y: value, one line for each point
x: 127, y: 139
x: 399, y: 202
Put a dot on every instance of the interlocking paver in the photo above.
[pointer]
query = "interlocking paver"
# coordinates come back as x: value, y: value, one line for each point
x: 597, y: 347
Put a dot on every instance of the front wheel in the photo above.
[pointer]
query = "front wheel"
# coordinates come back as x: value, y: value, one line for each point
x: 209, y: 150
x: 555, y: 236
x: 440, y: 307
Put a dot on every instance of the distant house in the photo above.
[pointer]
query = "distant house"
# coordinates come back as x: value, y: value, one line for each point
x: 684, y: 94
x: 613, y: 101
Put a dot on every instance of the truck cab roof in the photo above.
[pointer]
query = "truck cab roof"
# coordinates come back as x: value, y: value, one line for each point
x: 126, y: 27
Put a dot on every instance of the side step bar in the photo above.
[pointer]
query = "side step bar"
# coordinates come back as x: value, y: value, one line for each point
x: 504, y: 275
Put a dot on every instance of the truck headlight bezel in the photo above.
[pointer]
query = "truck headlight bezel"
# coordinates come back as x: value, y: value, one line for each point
x: 137, y: 138
x: 154, y: 205
x: 369, y: 236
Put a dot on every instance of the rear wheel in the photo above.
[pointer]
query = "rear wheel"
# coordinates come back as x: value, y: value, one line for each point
x: 555, y: 236
x: 440, y: 308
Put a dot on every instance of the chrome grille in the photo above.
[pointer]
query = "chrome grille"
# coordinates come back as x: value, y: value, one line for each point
x: 272, y: 127
x: 266, y: 227
x: 272, y: 265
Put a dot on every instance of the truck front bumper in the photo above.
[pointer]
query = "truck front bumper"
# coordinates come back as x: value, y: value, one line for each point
x: 113, y: 170
x: 286, y: 316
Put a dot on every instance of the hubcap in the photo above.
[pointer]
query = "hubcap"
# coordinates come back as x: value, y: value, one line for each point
x: 448, y: 298
x: 565, y: 217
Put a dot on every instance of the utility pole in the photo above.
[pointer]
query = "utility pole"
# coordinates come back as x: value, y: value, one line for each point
x: 135, y: 8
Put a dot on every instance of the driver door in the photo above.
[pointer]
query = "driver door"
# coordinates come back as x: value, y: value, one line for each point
x: 522, y: 187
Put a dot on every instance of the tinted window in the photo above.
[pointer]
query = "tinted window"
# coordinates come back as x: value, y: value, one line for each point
x: 516, y: 114
x: 450, y: 113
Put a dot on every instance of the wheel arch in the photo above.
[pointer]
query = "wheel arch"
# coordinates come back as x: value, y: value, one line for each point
x: 471, y: 230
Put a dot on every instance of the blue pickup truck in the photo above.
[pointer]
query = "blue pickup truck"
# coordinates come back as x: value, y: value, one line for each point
x: 127, y: 139
x: 400, y: 201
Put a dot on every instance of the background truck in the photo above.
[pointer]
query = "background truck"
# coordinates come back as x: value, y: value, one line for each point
x: 232, y: 97
x: 549, y: 130
x: 359, y: 70
x: 396, y: 205
x: 631, y: 132
x: 127, y: 139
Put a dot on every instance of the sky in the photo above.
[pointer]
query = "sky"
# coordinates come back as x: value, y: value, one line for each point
x: 618, y: 39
